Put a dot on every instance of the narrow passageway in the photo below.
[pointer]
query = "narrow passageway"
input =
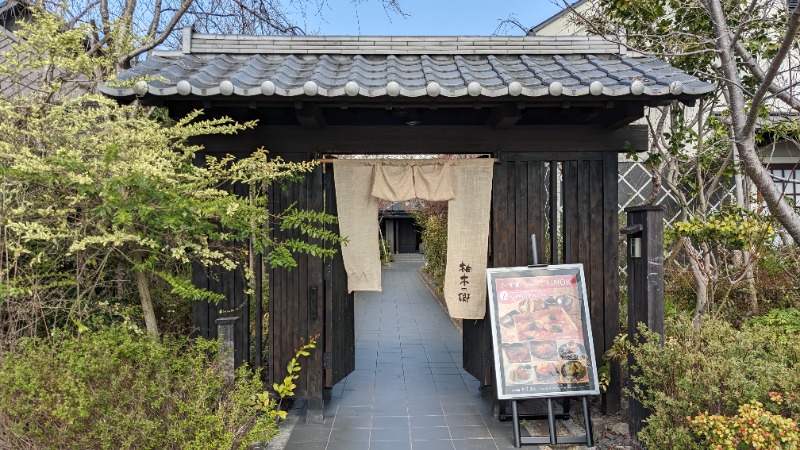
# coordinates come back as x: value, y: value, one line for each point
x: 408, y: 389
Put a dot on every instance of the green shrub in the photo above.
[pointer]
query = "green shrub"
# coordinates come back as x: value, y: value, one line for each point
x: 434, y: 236
x: 712, y: 370
x: 781, y: 324
x: 386, y: 251
x: 114, y: 389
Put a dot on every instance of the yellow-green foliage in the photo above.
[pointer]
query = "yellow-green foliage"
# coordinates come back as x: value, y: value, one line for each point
x: 92, y: 190
x: 287, y: 386
x: 734, y: 228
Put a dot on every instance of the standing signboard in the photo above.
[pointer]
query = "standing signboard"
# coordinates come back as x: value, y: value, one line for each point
x: 541, y: 331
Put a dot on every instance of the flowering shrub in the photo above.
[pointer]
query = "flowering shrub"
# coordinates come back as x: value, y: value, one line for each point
x: 753, y: 427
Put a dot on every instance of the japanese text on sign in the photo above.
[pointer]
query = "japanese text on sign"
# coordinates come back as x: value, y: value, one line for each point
x: 465, y: 269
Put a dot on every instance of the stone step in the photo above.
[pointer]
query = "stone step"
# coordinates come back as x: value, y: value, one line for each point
x: 408, y: 257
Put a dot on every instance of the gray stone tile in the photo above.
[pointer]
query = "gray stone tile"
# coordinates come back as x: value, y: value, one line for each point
x: 393, y: 395
x: 449, y: 390
x: 347, y: 445
x: 424, y: 410
x: 470, y: 432
x: 460, y: 409
x: 454, y: 379
x: 418, y: 379
x: 460, y: 420
x: 360, y: 386
x: 468, y: 400
x: 307, y: 445
x: 449, y: 386
x: 430, y: 433
x: 350, y: 435
x: 389, y: 411
x: 390, y: 422
x: 390, y: 445
x: 427, y: 421
x: 352, y: 422
x: 354, y: 411
x: 474, y: 444
x: 309, y: 435
x: 390, y: 434
x: 442, y: 444
x: 444, y: 369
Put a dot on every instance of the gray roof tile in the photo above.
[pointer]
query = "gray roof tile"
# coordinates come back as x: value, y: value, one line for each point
x: 420, y: 66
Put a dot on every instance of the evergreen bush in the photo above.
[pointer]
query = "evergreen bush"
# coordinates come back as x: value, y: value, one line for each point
x: 713, y: 369
x: 115, y: 389
x: 431, y: 217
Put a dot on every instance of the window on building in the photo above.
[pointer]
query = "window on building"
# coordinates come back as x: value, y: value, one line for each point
x: 787, y: 177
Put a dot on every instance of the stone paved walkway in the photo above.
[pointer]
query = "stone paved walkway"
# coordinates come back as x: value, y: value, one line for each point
x: 408, y: 390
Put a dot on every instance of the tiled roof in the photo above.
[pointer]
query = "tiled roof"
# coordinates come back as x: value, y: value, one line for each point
x: 404, y: 66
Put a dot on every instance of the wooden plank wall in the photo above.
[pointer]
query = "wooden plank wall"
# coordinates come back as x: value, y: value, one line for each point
x: 339, y: 304
x: 232, y: 285
x: 520, y: 207
x: 292, y: 322
x: 519, y: 199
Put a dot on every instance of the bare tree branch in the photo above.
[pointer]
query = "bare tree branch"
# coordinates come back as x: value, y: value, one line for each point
x: 780, y: 92
x: 769, y: 76
x: 153, y: 28
x: 125, y: 60
x: 80, y: 14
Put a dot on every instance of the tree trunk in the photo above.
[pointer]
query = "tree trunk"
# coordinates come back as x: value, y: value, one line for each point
x: 743, y: 128
x: 750, y: 278
x: 143, y: 287
x: 700, y: 280
x: 120, y: 276
x: 701, y: 285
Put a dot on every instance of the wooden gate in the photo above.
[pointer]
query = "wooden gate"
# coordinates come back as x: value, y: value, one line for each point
x: 296, y: 303
x: 575, y: 214
x: 340, y: 341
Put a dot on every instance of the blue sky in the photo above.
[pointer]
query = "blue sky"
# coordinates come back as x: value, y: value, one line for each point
x: 425, y: 17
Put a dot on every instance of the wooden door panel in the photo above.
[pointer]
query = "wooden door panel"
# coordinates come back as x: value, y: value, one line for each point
x: 340, y: 344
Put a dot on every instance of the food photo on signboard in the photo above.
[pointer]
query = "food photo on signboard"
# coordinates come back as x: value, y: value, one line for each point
x: 541, y: 332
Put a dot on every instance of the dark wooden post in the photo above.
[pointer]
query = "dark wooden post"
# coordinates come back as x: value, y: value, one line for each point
x: 258, y: 298
x: 645, y: 231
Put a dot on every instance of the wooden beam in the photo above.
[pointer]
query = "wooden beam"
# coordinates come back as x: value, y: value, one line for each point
x: 623, y: 114
x: 309, y: 115
x: 401, y: 139
x: 504, y: 116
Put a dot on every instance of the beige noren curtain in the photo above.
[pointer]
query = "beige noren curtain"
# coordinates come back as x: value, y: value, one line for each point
x: 466, y: 183
x: 358, y: 222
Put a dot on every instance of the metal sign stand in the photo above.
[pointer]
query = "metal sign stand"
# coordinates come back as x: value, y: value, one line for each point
x: 553, y: 438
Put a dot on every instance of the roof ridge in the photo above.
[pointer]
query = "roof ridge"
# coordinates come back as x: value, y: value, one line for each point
x: 201, y: 43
